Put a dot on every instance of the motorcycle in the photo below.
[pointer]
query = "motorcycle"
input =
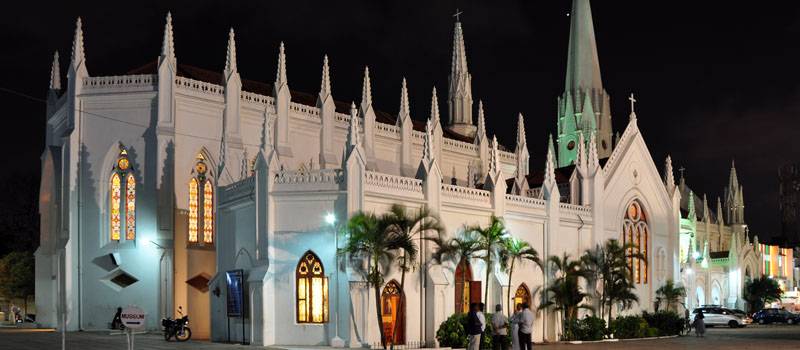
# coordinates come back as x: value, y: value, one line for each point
x: 178, y: 328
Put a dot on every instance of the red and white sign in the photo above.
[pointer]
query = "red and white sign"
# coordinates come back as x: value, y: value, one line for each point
x: 132, y: 317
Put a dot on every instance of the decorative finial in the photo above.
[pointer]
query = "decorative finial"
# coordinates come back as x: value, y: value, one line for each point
x: 457, y: 15
x: 325, y: 87
x: 55, y: 73
x: 168, y: 45
x: 230, y: 59
x: 77, y: 44
x: 366, y: 90
x: 280, y: 77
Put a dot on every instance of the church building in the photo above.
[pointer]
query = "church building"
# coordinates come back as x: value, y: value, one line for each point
x: 158, y: 183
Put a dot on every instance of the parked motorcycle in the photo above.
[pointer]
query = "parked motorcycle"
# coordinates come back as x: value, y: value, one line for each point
x: 178, y: 328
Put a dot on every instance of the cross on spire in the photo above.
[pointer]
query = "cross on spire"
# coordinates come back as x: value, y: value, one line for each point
x: 681, y: 169
x: 633, y: 103
x: 457, y: 14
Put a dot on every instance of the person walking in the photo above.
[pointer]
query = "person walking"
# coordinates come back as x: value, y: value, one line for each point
x: 499, y: 328
x: 700, y: 324
x: 474, y: 327
x: 525, y: 328
x: 515, y: 327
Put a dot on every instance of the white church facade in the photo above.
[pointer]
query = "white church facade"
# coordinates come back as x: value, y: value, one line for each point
x: 158, y: 182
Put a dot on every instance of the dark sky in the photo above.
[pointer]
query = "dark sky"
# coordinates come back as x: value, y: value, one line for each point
x: 715, y: 80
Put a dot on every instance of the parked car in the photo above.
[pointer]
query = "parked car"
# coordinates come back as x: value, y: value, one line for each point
x: 718, y: 316
x: 746, y: 319
x: 772, y: 315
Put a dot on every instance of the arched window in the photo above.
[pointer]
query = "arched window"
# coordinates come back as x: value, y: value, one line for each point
x: 201, y: 204
x: 122, y: 181
x: 522, y: 296
x: 393, y: 314
x: 312, y: 290
x: 636, y: 232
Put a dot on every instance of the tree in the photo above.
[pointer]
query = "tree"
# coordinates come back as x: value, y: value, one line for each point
x: 491, y: 241
x: 564, y: 293
x: 17, y: 276
x: 516, y: 251
x: 670, y: 293
x: 405, y: 227
x: 371, y: 249
x: 609, y: 265
x: 464, y: 247
x: 760, y: 291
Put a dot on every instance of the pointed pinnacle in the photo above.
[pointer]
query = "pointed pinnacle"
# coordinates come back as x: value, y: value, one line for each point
x: 434, y: 108
x: 581, y: 158
x: 521, y: 139
x: 593, y: 160
x: 230, y: 59
x: 481, y: 132
x: 493, y: 156
x: 459, y: 57
x: 77, y: 45
x: 404, y: 105
x: 366, y: 90
x: 549, y: 173
x: 280, y: 75
x: 325, y: 87
x: 55, y: 73
x: 352, y: 136
x: 168, y: 44
x: 427, y: 147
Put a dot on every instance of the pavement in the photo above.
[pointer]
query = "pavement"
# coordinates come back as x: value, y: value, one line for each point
x: 771, y: 337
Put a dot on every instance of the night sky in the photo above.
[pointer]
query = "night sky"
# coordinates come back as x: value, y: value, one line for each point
x: 715, y: 80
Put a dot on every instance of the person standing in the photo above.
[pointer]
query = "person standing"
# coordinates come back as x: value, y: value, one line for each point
x: 482, y: 318
x: 499, y: 328
x: 525, y: 328
x: 474, y: 327
x: 515, y: 327
x: 700, y: 324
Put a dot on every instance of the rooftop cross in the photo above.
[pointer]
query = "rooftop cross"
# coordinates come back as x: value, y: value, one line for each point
x: 458, y: 13
x: 681, y: 169
x: 633, y: 102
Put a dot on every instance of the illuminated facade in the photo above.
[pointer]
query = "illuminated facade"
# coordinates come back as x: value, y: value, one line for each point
x: 231, y: 174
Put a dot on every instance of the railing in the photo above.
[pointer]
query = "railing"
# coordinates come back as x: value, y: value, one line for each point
x: 119, y: 81
x: 387, y: 130
x: 524, y: 201
x: 579, y: 209
x: 258, y: 98
x: 535, y: 192
x: 466, y: 193
x: 322, y: 176
x: 237, y: 189
x: 303, y: 109
x: 507, y: 156
x: 381, y: 181
x: 459, y: 146
x: 199, y: 86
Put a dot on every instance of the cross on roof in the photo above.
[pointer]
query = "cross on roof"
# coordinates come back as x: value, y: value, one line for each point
x: 681, y: 169
x: 633, y: 102
x: 458, y: 13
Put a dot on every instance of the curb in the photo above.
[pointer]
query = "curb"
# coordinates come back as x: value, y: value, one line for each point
x: 579, y: 342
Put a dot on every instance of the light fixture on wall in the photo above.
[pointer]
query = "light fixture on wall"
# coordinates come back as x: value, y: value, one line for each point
x: 689, y: 271
x: 330, y: 218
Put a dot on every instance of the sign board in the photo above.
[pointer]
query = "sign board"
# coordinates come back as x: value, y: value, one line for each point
x: 235, y: 282
x: 132, y: 317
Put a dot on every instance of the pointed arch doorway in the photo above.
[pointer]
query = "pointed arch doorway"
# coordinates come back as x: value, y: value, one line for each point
x: 521, y: 296
x: 467, y: 290
x: 393, y: 314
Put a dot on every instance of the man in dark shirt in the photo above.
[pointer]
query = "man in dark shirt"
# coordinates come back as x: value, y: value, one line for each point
x: 474, y: 330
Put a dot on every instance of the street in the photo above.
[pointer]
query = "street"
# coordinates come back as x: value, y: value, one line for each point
x: 772, y: 337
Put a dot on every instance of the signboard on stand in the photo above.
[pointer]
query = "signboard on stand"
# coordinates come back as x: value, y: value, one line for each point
x: 132, y: 317
x: 235, y: 293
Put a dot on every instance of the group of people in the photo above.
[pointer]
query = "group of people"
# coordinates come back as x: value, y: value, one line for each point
x: 521, y: 324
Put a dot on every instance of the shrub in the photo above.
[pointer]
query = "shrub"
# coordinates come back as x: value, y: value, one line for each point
x: 652, y: 332
x: 589, y: 328
x: 666, y: 322
x: 626, y: 327
x: 452, y: 332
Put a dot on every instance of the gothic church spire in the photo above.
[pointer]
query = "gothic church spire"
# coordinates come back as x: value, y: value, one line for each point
x: 460, y: 93
x: 55, y: 74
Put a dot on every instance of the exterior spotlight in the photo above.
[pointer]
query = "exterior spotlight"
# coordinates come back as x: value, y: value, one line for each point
x: 330, y: 218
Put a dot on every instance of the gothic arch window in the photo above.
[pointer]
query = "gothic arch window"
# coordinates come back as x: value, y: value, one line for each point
x: 312, y: 290
x: 122, y: 198
x: 636, y: 232
x: 201, y: 204
x: 522, y: 296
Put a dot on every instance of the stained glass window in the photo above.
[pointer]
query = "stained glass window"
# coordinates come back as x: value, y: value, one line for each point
x: 122, y: 181
x: 312, y: 290
x: 114, y: 199
x: 130, y: 207
x: 201, y: 204
x: 636, y: 232
x: 193, y: 210
x: 208, y: 212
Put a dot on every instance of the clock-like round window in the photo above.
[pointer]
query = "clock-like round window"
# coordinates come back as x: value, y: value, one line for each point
x: 571, y: 145
x: 123, y: 164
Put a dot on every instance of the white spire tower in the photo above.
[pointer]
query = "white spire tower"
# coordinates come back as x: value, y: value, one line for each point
x: 459, y: 95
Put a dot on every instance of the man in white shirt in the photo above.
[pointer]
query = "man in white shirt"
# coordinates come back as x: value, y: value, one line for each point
x: 525, y: 328
x: 482, y: 317
x: 500, y: 328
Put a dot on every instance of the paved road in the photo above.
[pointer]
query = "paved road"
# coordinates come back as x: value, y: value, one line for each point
x: 773, y: 337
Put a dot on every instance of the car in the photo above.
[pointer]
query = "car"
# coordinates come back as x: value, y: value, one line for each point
x: 746, y: 319
x: 772, y: 315
x: 718, y: 316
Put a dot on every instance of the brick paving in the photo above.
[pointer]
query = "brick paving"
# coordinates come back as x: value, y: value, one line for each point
x: 771, y: 337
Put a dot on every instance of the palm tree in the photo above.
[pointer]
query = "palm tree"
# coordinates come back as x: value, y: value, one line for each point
x: 609, y: 265
x: 491, y: 242
x: 463, y: 247
x: 564, y: 293
x: 670, y: 293
x: 405, y: 226
x: 371, y: 249
x: 514, y: 251
x: 761, y: 290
